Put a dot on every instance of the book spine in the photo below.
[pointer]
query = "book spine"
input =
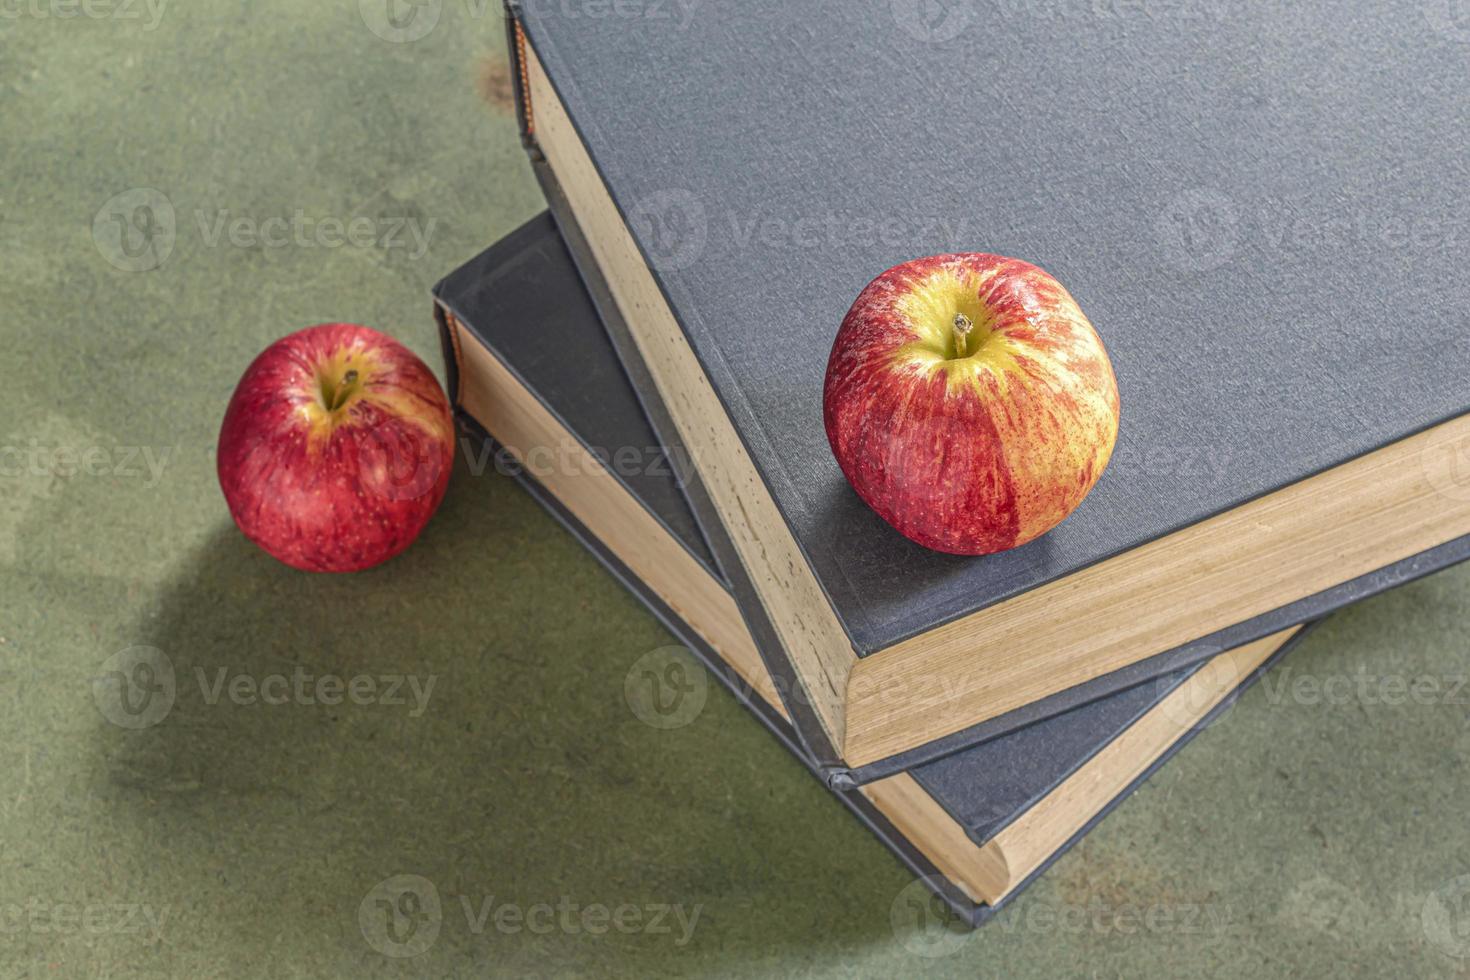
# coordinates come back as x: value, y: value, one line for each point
x: 448, y: 344
x: 819, y: 749
x: 813, y: 734
x: 515, y: 39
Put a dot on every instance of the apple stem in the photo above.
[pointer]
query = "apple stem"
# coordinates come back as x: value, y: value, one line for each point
x: 962, y: 327
x: 344, y: 390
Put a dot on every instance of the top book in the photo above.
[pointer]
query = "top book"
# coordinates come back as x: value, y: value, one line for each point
x: 1261, y: 208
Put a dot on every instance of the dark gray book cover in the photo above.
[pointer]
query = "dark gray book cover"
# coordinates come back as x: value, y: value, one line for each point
x: 839, y: 775
x: 1260, y: 213
x: 523, y: 298
x: 1188, y: 180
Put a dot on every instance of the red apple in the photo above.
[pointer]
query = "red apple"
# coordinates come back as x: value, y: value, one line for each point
x: 336, y: 448
x: 969, y: 402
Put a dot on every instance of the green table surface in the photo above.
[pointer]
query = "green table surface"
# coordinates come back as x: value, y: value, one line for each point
x: 1320, y: 829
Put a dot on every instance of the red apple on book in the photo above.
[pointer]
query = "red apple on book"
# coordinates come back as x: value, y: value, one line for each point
x: 969, y: 402
x: 336, y: 448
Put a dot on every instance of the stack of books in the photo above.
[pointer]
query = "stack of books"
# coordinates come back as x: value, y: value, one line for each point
x: 1294, y: 435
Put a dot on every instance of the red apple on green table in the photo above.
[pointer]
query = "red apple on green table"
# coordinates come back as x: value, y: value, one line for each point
x: 336, y: 448
x: 970, y: 402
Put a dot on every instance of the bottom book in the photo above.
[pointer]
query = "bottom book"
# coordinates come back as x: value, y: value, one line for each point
x: 531, y: 368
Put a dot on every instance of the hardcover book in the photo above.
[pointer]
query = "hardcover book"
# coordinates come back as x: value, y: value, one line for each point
x: 1294, y: 432
x: 976, y: 825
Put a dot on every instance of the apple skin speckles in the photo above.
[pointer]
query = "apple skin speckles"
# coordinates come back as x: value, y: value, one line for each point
x: 336, y: 448
x: 977, y: 445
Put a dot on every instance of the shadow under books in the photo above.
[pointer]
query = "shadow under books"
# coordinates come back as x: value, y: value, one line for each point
x: 479, y: 739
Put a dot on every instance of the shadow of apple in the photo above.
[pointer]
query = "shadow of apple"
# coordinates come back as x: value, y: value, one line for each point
x: 457, y: 716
